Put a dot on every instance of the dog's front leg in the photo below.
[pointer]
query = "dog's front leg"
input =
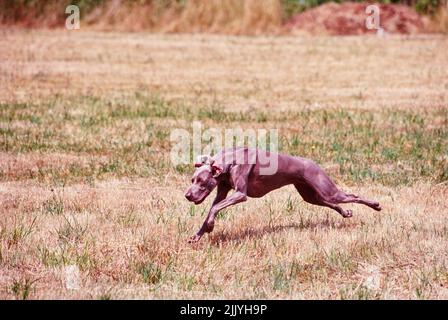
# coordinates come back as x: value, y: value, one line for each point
x: 209, y: 222
x: 221, y: 194
x: 235, y: 198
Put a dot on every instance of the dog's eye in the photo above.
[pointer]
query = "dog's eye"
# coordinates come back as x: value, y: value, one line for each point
x: 192, y: 180
x: 202, y: 188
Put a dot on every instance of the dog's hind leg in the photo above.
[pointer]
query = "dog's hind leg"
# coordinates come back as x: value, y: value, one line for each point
x: 311, y: 196
x: 317, y: 188
x: 342, y: 197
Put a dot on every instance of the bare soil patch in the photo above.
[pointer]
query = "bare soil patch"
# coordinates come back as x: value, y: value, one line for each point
x: 349, y: 19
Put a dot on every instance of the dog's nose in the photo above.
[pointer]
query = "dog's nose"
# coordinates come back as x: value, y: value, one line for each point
x: 188, y: 195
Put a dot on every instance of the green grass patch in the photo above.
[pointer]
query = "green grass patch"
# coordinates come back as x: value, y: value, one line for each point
x: 129, y: 136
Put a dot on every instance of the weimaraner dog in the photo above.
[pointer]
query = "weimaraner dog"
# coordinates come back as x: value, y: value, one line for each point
x: 242, y: 170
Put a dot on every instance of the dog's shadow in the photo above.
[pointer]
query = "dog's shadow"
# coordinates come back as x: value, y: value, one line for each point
x: 221, y: 237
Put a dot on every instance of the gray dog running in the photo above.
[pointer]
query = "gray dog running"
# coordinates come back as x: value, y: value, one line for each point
x: 242, y: 170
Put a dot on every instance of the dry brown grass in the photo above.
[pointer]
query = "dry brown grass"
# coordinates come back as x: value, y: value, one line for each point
x: 261, y: 249
x: 85, y: 180
x: 440, y: 20
x: 239, y: 73
x: 229, y: 17
x: 248, y: 17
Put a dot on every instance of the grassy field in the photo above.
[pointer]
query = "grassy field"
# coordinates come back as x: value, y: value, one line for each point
x: 85, y: 176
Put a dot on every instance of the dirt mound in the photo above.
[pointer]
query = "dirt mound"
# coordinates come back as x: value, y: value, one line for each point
x: 349, y: 19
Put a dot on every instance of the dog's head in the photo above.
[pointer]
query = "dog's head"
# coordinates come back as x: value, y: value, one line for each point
x: 204, y: 179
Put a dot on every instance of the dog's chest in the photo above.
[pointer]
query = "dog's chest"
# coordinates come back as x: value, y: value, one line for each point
x: 260, y: 185
x: 257, y: 187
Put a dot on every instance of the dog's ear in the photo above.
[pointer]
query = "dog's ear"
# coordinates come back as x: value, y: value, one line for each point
x: 216, y: 169
x: 203, y: 159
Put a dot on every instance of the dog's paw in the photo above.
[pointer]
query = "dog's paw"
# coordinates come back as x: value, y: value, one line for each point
x: 194, y: 239
x: 347, y: 214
